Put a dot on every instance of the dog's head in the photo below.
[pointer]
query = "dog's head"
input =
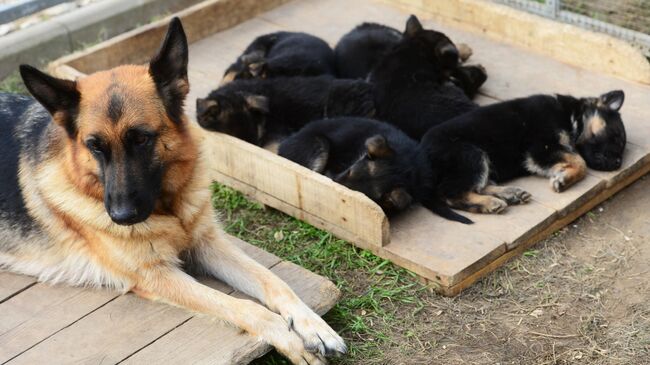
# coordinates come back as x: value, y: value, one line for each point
x: 434, y: 46
x: 381, y: 173
x: 601, y: 135
x: 237, y: 113
x: 247, y: 66
x: 126, y: 139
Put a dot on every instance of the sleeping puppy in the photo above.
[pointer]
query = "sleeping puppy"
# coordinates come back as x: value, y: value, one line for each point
x: 412, y: 84
x: 283, y: 54
x: 263, y: 112
x: 361, y: 49
x: 552, y: 136
x: 369, y: 156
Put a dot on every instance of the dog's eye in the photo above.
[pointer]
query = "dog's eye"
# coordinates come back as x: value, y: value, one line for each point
x: 138, y: 138
x: 94, y: 145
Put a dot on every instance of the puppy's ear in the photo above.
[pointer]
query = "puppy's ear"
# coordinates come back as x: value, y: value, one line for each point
x: 398, y: 199
x: 258, y: 69
x: 205, y: 105
x: 258, y: 102
x: 413, y: 26
x: 252, y: 57
x: 60, y: 97
x: 612, y: 100
x: 169, y: 70
x: 378, y: 147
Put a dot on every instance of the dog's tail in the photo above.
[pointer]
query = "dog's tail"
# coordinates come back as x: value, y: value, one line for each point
x: 443, y: 210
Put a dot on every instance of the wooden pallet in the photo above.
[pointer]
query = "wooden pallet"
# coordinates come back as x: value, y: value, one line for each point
x: 450, y: 255
x: 44, y: 324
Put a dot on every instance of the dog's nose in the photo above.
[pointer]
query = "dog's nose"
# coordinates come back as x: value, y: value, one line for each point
x: 124, y: 215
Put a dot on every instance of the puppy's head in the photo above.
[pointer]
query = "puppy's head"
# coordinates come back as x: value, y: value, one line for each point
x: 601, y: 139
x: 436, y: 47
x: 236, y: 113
x: 126, y: 140
x: 248, y: 66
x: 381, y: 174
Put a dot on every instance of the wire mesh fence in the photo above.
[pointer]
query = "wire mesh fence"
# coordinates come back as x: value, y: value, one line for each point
x: 625, y: 19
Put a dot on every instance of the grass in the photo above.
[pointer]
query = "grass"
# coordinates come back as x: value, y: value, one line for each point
x: 365, y: 310
x: 13, y: 84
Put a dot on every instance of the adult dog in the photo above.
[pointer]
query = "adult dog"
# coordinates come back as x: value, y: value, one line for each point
x: 103, y: 184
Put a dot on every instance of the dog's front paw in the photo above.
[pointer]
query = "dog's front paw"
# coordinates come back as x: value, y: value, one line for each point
x: 289, y: 343
x: 464, y: 51
x: 317, y: 335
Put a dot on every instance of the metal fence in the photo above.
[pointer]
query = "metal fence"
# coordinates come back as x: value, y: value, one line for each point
x: 625, y: 19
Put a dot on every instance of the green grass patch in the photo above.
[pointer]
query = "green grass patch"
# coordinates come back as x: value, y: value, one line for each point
x: 366, y: 311
x: 13, y: 84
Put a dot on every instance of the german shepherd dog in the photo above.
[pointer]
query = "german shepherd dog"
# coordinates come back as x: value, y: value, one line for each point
x: 103, y: 185
x: 555, y: 136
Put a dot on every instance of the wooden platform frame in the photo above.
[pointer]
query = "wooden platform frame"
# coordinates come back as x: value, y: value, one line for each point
x: 449, y: 255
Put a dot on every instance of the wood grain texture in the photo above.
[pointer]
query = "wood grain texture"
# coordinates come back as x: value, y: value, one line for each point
x: 11, y: 284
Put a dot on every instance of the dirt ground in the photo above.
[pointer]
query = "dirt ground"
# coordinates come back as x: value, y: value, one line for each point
x: 580, y: 297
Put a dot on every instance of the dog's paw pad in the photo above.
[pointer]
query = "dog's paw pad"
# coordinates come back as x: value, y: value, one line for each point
x: 495, y: 206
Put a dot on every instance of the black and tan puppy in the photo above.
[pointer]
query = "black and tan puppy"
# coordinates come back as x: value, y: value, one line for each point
x: 550, y: 136
x: 412, y: 81
x: 283, y: 54
x: 361, y: 49
x: 265, y: 111
x: 369, y: 156
x: 103, y: 185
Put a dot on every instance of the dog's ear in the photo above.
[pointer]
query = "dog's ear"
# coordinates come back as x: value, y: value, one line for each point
x: 169, y: 70
x: 413, y: 26
x: 258, y: 102
x: 60, y: 97
x: 378, y: 147
x: 398, y: 199
x: 612, y: 100
x: 203, y: 105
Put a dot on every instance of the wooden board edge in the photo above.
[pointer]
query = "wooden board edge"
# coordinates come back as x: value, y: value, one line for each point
x: 375, y: 227
x: 120, y: 47
x: 454, y: 290
x: 539, y: 34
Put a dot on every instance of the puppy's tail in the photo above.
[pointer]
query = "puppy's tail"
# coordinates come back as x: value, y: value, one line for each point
x: 444, y: 211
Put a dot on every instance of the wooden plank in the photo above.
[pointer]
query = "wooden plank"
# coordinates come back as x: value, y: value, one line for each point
x: 298, y: 187
x: 634, y: 159
x: 11, y: 284
x: 202, y: 341
x: 39, y: 312
x: 437, y: 248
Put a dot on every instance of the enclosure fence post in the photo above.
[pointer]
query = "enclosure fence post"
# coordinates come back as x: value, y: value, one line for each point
x: 553, y: 8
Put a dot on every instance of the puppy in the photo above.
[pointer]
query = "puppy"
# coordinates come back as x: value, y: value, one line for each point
x: 369, y: 156
x: 283, y: 54
x: 263, y: 112
x: 552, y: 136
x: 412, y: 84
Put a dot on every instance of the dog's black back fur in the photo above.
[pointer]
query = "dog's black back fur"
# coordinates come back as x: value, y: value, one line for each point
x: 260, y: 111
x: 23, y: 122
x: 284, y: 54
x: 412, y: 82
x: 359, y: 51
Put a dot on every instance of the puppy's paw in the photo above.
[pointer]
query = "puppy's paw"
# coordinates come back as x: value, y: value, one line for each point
x: 464, y: 51
x: 318, y: 337
x: 514, y: 195
x: 558, y: 181
x: 493, y: 206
